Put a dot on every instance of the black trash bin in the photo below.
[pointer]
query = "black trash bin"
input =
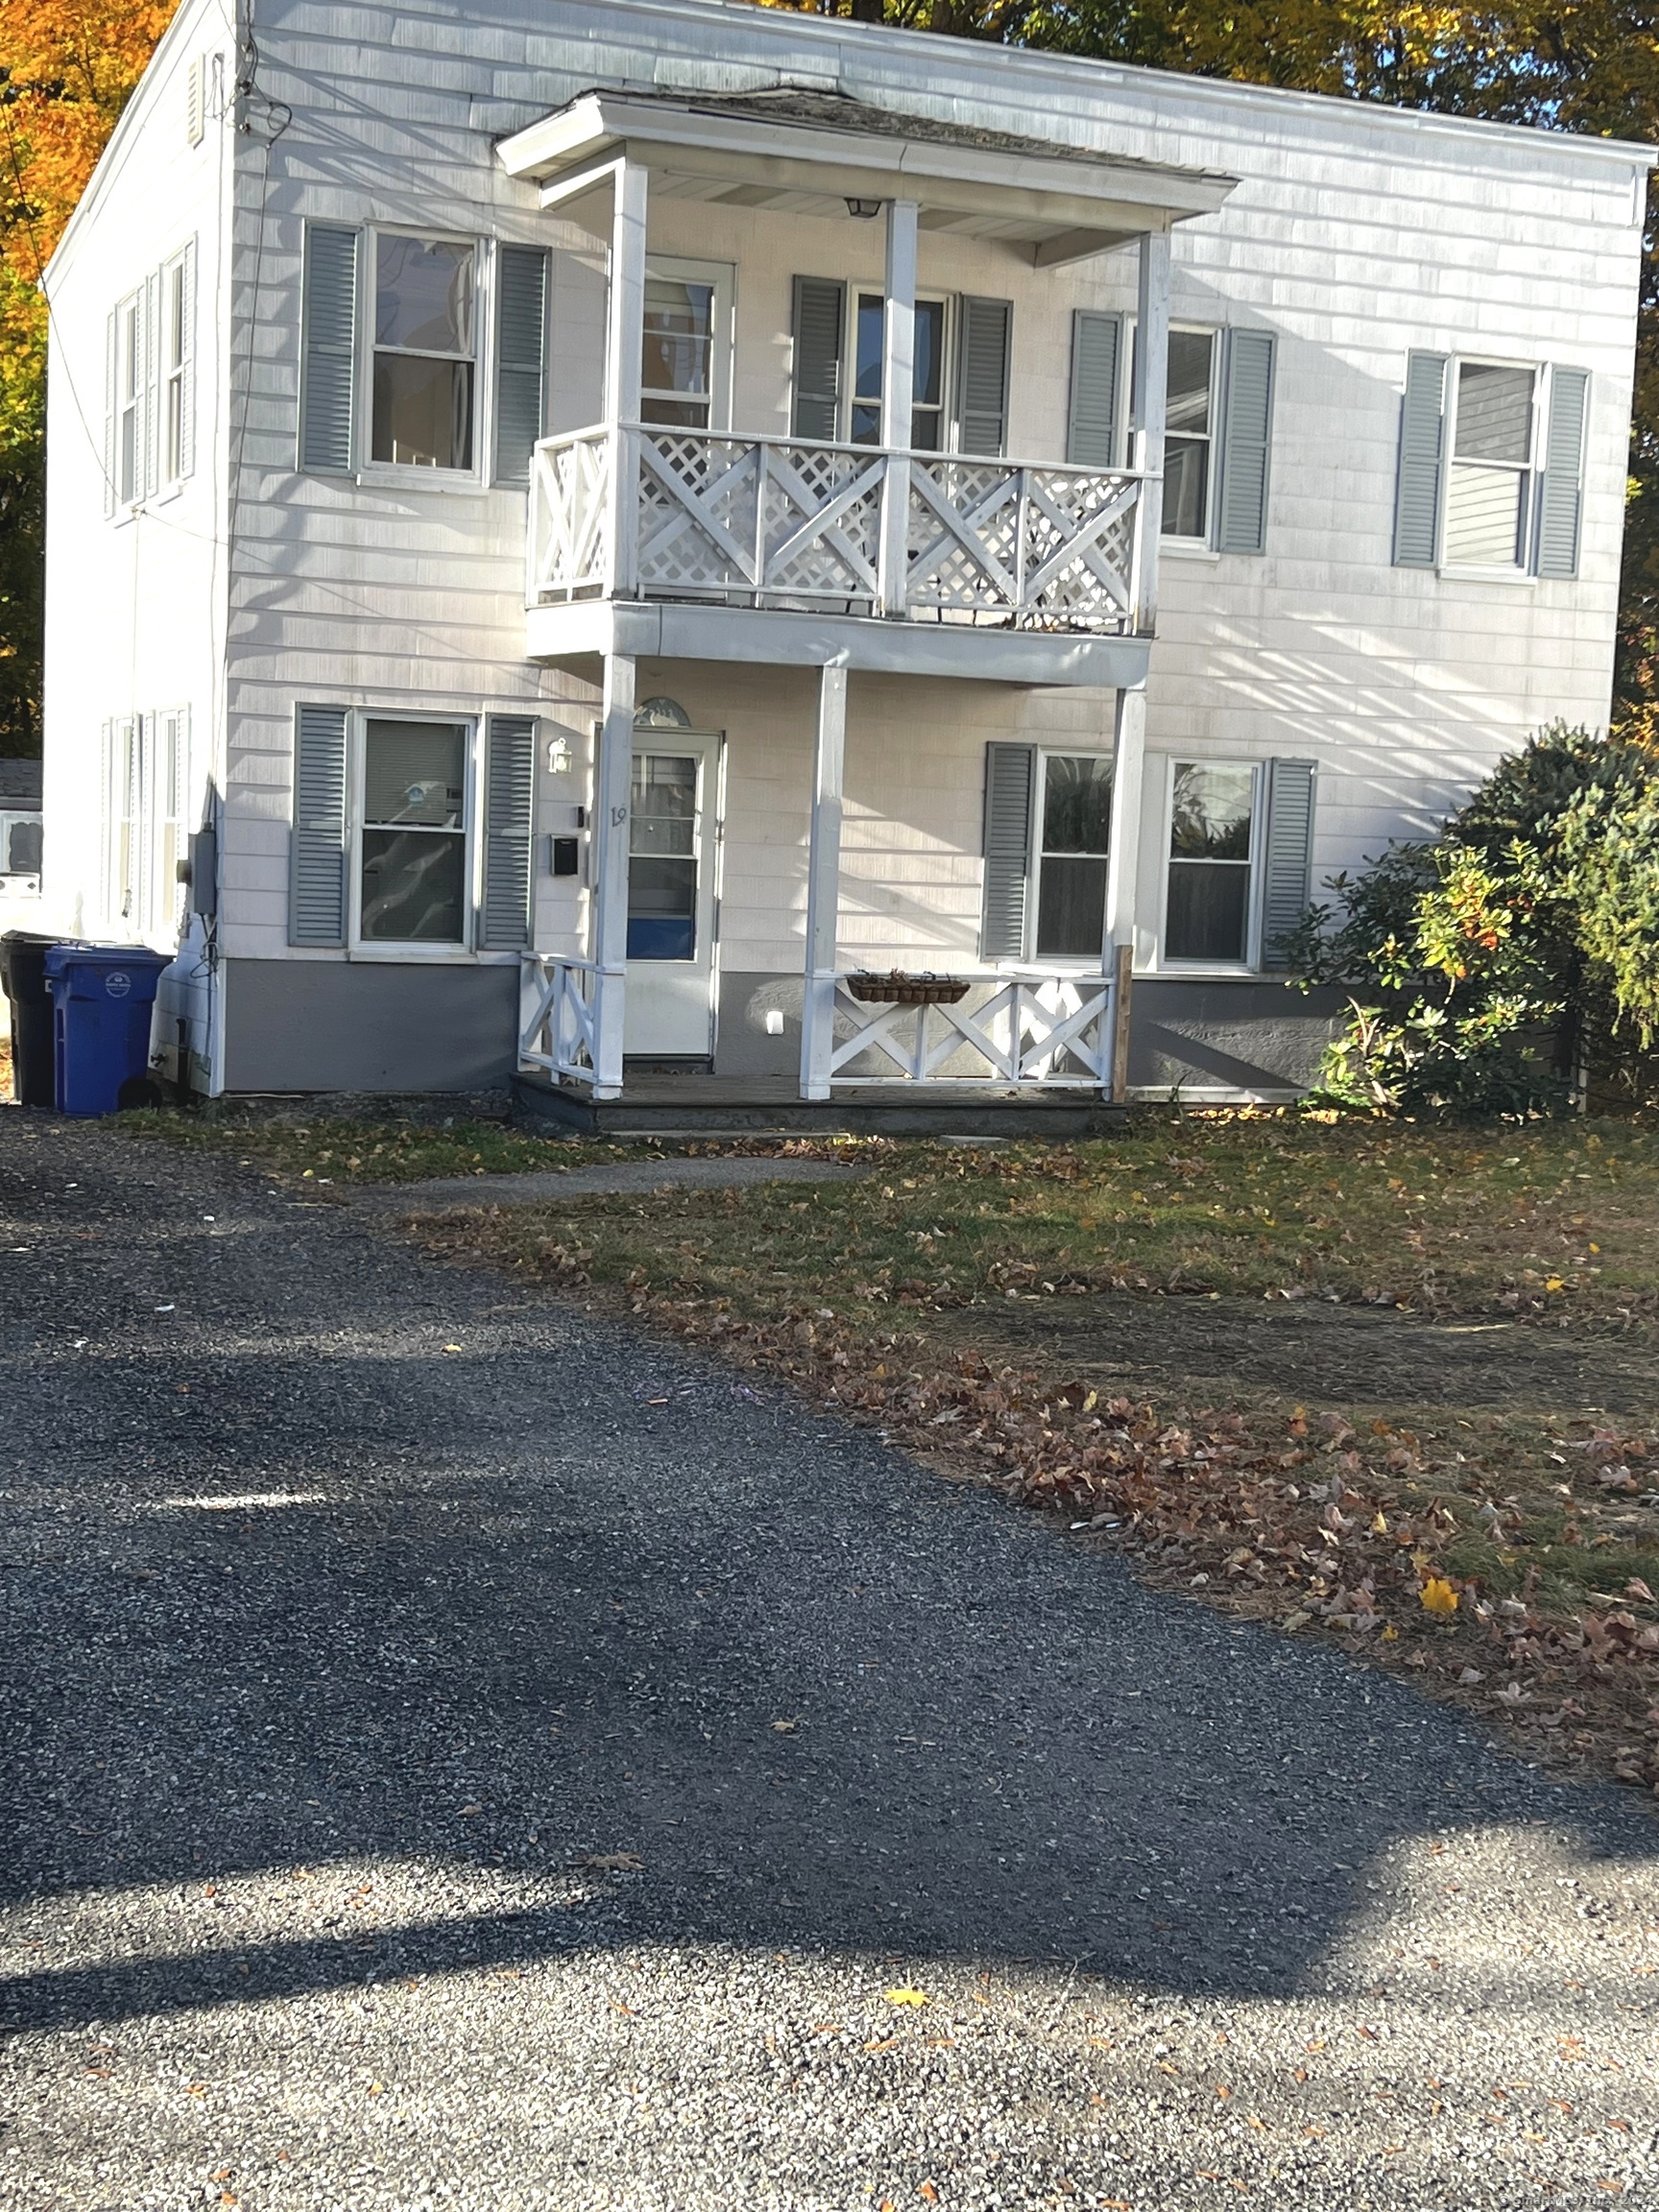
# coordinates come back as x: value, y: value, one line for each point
x: 23, y: 978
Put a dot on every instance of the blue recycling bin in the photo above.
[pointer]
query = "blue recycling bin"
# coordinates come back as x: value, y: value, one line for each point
x: 102, y: 998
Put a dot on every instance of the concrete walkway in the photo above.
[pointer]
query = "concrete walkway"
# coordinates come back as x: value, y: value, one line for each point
x: 462, y: 1753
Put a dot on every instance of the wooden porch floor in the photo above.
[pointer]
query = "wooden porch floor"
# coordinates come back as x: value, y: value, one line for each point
x: 662, y: 1102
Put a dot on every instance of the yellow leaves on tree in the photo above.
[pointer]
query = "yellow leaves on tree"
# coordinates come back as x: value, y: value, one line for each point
x: 68, y: 67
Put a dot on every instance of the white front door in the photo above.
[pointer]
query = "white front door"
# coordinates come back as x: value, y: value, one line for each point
x: 672, y: 843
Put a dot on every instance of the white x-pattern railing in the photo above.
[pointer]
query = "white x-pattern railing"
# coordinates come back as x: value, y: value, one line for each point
x: 1035, y: 1029
x: 650, y: 513
x: 561, y: 1031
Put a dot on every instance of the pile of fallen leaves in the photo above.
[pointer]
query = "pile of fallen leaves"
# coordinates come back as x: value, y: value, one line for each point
x: 1304, y: 1521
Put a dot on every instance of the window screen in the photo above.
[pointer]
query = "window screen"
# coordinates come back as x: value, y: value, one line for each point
x: 1488, y: 494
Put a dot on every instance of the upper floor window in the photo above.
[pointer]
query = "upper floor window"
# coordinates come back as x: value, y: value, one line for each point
x: 961, y: 368
x: 1490, y: 477
x: 415, y: 307
x: 1489, y: 484
x: 685, y: 341
x: 149, y: 388
x: 927, y: 417
x: 1188, y: 434
x: 129, y: 475
x: 1218, y: 424
x: 425, y: 352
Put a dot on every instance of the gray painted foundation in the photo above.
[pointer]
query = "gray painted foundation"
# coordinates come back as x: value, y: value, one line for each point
x: 368, y: 1026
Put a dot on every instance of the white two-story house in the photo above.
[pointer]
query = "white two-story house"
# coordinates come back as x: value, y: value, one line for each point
x: 718, y: 563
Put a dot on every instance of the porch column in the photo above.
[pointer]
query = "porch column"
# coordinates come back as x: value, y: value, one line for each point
x: 824, y: 885
x: 624, y: 344
x: 608, y: 927
x: 898, y: 396
x: 1148, y: 404
x: 1123, y: 847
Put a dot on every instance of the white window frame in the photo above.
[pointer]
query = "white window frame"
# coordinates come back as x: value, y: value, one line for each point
x: 172, y: 372
x: 10, y: 818
x: 722, y: 275
x: 1215, y: 332
x: 169, y: 764
x: 406, y: 473
x: 1530, y: 470
x: 948, y: 300
x: 465, y: 948
x: 130, y: 485
x: 1069, y: 962
x: 1251, y: 964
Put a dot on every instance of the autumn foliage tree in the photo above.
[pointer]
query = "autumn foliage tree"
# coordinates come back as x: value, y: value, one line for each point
x: 67, y: 69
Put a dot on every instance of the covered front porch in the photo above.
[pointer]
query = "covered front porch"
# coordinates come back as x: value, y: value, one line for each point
x: 924, y: 902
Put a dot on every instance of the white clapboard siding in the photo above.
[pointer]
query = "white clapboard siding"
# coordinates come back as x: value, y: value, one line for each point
x: 1357, y: 237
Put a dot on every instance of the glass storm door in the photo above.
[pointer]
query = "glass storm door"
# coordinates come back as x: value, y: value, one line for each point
x: 671, y: 900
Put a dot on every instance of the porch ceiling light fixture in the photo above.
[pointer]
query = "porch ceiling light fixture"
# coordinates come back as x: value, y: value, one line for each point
x: 661, y: 714
x: 865, y: 211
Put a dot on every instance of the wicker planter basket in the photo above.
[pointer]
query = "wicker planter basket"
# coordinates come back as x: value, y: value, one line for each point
x: 900, y: 990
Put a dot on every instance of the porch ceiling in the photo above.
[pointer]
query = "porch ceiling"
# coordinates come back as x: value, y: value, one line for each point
x: 810, y: 153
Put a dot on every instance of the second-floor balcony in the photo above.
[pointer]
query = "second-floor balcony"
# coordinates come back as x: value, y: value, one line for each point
x: 633, y: 512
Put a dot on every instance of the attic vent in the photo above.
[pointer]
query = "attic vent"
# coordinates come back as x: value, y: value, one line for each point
x: 196, y: 100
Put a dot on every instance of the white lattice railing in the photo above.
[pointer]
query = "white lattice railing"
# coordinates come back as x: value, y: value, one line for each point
x: 560, y: 1027
x: 1035, y: 1029
x: 772, y: 523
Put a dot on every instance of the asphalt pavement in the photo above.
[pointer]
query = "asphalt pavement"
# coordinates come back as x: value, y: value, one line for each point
x: 462, y: 1752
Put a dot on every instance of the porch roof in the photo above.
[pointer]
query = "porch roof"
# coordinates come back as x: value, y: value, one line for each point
x: 800, y: 151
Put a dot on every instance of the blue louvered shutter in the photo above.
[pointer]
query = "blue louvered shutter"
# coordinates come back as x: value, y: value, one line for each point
x: 317, y: 866
x: 1097, y: 376
x: 522, y: 274
x: 328, y: 367
x: 509, y: 812
x: 1422, y: 459
x: 819, y: 326
x: 1010, y: 774
x: 1561, y: 493
x: 1246, y: 443
x: 1286, y: 853
x: 985, y: 330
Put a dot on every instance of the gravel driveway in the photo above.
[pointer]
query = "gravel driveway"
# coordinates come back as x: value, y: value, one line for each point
x: 462, y: 1753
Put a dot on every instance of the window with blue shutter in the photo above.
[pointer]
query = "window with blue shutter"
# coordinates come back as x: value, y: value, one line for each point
x: 1561, y: 490
x: 985, y: 329
x: 1246, y: 441
x: 509, y: 823
x: 1285, y: 854
x: 1092, y: 430
x: 820, y: 336
x: 1421, y: 461
x: 1009, y: 775
x: 317, y: 865
x: 329, y: 351
x: 521, y: 347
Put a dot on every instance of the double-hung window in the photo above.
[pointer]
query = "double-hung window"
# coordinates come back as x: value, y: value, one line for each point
x: 686, y: 342
x: 176, y: 363
x: 1189, y: 436
x: 927, y: 420
x: 1208, y: 906
x: 1489, y: 482
x: 412, y: 872
x: 129, y: 461
x: 1073, y: 839
x: 425, y: 327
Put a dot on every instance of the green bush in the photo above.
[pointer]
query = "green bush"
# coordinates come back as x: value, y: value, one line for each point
x: 1513, y: 963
